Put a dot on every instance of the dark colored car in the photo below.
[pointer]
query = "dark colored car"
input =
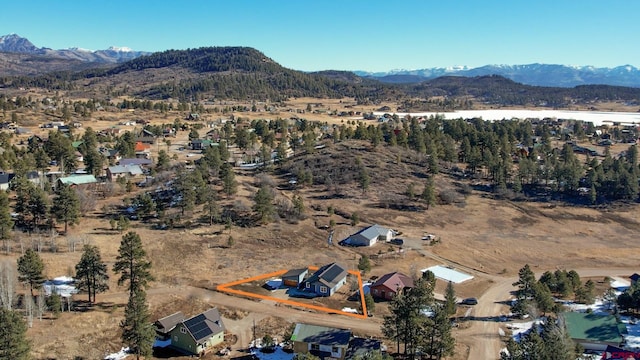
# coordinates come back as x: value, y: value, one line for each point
x: 469, y: 301
x: 397, y: 241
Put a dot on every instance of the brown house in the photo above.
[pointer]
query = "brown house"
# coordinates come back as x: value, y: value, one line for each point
x: 388, y: 285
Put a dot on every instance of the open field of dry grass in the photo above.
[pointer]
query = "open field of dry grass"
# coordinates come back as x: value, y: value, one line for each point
x: 489, y: 238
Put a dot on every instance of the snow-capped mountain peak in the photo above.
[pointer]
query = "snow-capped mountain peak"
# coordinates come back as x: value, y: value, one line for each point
x: 120, y: 49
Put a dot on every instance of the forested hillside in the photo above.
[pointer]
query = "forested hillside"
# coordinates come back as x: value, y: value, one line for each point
x: 242, y: 73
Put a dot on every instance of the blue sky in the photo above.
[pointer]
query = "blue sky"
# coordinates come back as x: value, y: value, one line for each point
x: 367, y: 35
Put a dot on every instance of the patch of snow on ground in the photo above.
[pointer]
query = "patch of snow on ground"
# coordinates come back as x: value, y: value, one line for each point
x: 279, y: 354
x: 632, y: 339
x: 518, y: 330
x: 598, y: 307
x: 619, y: 284
x: 350, y: 310
x: 120, y: 355
x: 62, y: 285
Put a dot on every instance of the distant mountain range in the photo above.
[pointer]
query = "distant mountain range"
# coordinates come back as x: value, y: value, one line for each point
x: 15, y: 44
x: 532, y: 74
x: 14, y: 61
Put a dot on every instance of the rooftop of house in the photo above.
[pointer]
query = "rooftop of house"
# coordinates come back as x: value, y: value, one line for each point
x: 78, y: 179
x: 125, y: 169
x: 372, y: 232
x: 594, y: 327
x: 295, y: 272
x: 167, y: 323
x: 204, y: 325
x: 323, y: 335
x: 394, y: 280
x: 329, y: 275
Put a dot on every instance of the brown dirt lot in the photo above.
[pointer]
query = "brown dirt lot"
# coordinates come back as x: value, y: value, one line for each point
x: 491, y: 239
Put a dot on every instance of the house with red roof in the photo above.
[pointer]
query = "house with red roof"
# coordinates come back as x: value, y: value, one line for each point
x: 388, y: 285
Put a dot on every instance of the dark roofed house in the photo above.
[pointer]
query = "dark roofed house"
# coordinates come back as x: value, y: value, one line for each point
x: 594, y: 332
x: 199, y: 334
x: 294, y: 277
x: 166, y: 324
x: 326, y: 280
x: 322, y: 341
x: 5, y: 180
x: 360, y: 347
x: 634, y: 278
x: 388, y: 285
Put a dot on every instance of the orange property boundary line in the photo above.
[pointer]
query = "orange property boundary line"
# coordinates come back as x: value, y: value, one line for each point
x: 227, y: 289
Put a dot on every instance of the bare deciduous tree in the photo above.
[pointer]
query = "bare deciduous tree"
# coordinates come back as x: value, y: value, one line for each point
x: 7, y: 284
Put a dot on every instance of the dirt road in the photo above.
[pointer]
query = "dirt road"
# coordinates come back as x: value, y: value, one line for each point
x: 483, y: 334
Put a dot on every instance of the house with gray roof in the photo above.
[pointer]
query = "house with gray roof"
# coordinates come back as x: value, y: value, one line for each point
x: 125, y: 171
x: 321, y: 341
x: 197, y: 335
x: 166, y: 324
x: 370, y: 235
x: 326, y: 280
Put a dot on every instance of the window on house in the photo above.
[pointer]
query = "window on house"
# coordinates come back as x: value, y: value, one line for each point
x: 183, y: 330
x: 334, y: 349
x: 315, y: 347
x: 323, y: 289
x: 308, y: 285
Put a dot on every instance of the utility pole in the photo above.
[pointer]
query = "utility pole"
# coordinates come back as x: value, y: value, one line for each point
x: 254, y: 333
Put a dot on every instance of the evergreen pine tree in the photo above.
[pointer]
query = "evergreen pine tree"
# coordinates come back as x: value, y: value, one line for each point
x: 132, y: 264
x: 66, y: 206
x: 137, y: 329
x: 91, y: 273
x: 263, y: 204
x: 13, y: 341
x: 450, y: 300
x: 6, y: 222
x: 30, y: 267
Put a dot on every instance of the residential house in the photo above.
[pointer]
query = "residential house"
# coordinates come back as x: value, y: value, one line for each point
x: 321, y: 341
x: 135, y: 161
x: 5, y: 180
x: 147, y: 137
x: 593, y: 331
x: 360, y: 347
x: 326, y: 280
x: 388, y: 285
x: 142, y: 150
x: 78, y: 180
x: 122, y: 171
x: 634, y: 278
x: 165, y: 325
x: 369, y: 236
x: 201, y: 144
x: 112, y: 155
x: 294, y: 277
x: 199, y: 334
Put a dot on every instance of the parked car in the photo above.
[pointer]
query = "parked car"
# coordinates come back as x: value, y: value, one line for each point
x: 397, y: 241
x: 469, y: 301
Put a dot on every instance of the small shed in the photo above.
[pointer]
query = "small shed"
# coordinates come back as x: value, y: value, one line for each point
x: 294, y: 277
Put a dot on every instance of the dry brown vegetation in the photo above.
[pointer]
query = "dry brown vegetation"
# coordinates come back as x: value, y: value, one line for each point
x: 490, y: 238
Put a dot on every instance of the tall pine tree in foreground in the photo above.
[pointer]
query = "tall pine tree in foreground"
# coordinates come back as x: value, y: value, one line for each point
x: 30, y: 267
x: 13, y: 341
x: 133, y: 267
x: 137, y: 331
x: 91, y: 272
